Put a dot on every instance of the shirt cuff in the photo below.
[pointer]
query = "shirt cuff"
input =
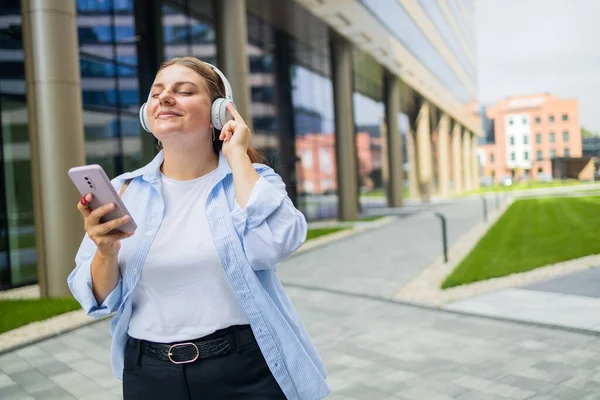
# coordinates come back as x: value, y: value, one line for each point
x: 81, y: 287
x: 264, y: 199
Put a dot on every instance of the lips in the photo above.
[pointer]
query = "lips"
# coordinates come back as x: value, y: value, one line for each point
x: 167, y: 115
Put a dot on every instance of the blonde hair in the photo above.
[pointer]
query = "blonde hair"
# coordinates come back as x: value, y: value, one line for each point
x: 216, y: 89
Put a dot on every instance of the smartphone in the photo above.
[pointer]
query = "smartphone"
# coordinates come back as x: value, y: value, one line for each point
x: 92, y: 179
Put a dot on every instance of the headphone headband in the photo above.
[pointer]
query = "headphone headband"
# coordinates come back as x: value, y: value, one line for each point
x: 228, y: 91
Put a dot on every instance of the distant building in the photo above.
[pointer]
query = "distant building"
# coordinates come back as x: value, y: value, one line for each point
x: 524, y: 134
x: 590, y: 147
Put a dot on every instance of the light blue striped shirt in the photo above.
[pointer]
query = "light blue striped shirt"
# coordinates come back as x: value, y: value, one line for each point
x: 250, y: 242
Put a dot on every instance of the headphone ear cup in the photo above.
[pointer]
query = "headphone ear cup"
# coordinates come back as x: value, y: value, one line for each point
x: 220, y: 115
x: 144, y: 118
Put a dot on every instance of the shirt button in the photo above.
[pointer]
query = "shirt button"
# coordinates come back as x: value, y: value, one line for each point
x: 149, y: 233
x: 246, y: 296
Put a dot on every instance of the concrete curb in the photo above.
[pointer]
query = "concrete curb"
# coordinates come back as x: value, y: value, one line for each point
x: 426, y: 287
x: 438, y: 309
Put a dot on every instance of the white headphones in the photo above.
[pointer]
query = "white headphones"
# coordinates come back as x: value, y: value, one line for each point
x: 219, y: 115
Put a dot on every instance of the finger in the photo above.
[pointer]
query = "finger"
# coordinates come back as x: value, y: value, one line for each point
x: 107, y: 240
x: 227, y: 131
x: 236, y: 115
x: 94, y: 217
x: 83, y: 205
x: 106, y: 227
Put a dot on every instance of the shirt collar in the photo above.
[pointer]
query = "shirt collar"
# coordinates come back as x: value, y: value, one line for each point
x: 151, y: 171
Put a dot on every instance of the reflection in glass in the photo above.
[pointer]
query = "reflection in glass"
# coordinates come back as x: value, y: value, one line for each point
x: 19, y: 220
x: 316, y: 171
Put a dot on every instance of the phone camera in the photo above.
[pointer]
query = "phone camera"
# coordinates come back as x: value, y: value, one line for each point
x: 89, y: 182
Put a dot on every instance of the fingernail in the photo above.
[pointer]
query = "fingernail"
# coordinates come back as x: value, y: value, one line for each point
x: 125, y: 218
x: 88, y: 197
x: 131, y: 233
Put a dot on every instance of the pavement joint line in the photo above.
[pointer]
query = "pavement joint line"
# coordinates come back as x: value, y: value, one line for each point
x: 428, y: 307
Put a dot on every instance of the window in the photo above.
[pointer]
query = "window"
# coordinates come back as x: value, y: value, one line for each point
x: 539, y: 155
x: 565, y: 117
x: 551, y: 118
x: 538, y: 138
x: 512, y: 140
x: 538, y: 120
x: 525, y: 139
x: 524, y: 121
x: 565, y: 136
x: 526, y: 155
x: 511, y: 122
x: 325, y: 160
x: 307, y: 158
x: 512, y: 156
x: 491, y: 158
x: 567, y: 153
x: 552, y: 153
x: 552, y: 137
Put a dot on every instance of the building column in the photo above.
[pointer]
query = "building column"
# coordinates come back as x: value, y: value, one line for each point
x: 424, y: 157
x: 345, y: 141
x: 150, y: 54
x: 443, y: 156
x: 232, y: 55
x: 457, y: 158
x: 394, y: 140
x: 56, y: 137
x: 411, y: 154
x: 467, y: 160
x: 475, y: 175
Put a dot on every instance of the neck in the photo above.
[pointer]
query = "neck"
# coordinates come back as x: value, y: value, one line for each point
x: 183, y: 164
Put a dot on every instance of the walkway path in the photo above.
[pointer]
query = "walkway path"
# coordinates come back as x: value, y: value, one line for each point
x: 374, y: 348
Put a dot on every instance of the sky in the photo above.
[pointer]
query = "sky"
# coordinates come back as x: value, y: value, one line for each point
x: 534, y: 46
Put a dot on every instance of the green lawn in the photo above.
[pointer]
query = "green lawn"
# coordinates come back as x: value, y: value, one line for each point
x: 533, y: 233
x: 315, y: 233
x: 16, y: 313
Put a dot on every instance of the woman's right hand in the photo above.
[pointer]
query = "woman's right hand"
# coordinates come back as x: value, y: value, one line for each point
x: 108, y: 243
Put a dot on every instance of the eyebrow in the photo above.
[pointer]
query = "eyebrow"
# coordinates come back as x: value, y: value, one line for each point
x: 175, y: 84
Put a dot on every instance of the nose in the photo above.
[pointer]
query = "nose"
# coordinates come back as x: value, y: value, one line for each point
x: 165, y: 97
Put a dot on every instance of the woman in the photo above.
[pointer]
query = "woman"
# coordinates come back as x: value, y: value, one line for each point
x: 200, y: 313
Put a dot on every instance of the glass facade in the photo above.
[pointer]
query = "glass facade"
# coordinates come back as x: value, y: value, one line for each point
x: 394, y: 17
x: 370, y: 130
x: 17, y: 232
x: 109, y: 83
x: 436, y: 16
x: 291, y: 94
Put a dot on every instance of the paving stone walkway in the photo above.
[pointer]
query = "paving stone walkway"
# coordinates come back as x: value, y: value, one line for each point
x: 374, y: 348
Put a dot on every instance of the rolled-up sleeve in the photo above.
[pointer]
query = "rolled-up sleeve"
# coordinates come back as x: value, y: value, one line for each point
x: 270, y: 227
x: 80, y: 283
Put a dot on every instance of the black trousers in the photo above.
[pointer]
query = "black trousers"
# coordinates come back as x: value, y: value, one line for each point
x: 241, y: 374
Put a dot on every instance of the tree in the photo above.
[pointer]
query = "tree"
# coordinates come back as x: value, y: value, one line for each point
x: 587, y: 134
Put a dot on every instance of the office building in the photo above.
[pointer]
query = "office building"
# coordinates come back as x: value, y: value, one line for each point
x: 526, y: 133
x: 336, y: 93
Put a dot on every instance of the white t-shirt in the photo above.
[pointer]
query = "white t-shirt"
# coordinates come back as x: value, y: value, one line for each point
x: 183, y: 292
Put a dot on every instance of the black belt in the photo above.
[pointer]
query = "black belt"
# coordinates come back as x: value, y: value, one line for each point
x: 188, y: 352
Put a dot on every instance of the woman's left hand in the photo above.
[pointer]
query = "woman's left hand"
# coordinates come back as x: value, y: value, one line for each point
x: 235, y: 135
